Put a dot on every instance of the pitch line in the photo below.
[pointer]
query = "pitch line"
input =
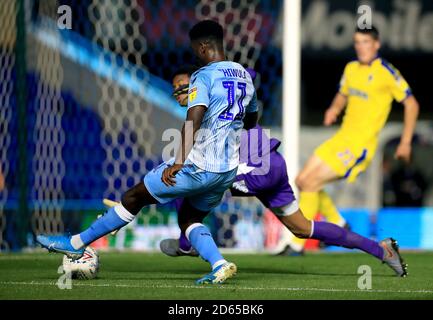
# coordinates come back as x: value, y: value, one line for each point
x: 221, y: 287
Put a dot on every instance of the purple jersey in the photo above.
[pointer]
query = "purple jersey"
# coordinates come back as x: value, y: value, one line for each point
x: 255, y: 145
x: 262, y: 170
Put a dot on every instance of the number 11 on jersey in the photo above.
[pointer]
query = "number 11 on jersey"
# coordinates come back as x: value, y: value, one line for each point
x: 227, y: 113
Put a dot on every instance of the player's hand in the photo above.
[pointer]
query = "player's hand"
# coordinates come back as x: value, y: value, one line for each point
x: 331, y: 116
x: 169, y: 173
x: 2, y: 182
x: 403, y: 152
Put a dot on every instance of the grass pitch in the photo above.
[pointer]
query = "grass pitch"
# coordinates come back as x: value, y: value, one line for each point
x: 155, y: 276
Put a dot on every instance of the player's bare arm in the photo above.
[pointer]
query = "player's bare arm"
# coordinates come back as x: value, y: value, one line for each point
x: 411, y: 111
x: 337, y: 106
x: 195, y: 116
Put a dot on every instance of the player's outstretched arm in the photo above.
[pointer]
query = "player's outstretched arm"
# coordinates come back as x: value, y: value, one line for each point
x: 411, y: 111
x: 250, y: 120
x: 337, y: 106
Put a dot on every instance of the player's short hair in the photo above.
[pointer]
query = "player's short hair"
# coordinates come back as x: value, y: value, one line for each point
x: 188, y: 69
x: 372, y: 31
x: 207, y: 30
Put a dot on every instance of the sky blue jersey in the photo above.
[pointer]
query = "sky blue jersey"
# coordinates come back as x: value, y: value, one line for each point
x: 227, y: 91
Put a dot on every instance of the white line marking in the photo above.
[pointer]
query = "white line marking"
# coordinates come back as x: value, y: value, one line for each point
x: 224, y: 287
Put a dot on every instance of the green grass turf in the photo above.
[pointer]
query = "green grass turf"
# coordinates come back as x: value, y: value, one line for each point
x: 154, y: 276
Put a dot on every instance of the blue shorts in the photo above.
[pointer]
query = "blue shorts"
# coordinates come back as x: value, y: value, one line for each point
x: 204, y: 190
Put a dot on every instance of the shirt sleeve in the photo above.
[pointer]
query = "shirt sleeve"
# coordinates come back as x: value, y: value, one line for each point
x: 343, y: 87
x: 252, y: 106
x: 198, y: 94
x: 400, y: 89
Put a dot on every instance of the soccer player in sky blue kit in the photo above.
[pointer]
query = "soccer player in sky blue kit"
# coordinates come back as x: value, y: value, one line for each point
x: 221, y: 101
x: 262, y: 173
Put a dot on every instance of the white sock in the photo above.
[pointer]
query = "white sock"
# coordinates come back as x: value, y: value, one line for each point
x: 123, y: 213
x: 218, y: 263
x: 76, y: 242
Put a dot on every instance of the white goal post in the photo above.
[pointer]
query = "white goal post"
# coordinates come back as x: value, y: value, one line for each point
x: 291, y: 85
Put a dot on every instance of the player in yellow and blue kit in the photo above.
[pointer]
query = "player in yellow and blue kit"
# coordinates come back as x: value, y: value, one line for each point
x: 367, y: 89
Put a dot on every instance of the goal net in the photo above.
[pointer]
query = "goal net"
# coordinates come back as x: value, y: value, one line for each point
x: 91, y: 103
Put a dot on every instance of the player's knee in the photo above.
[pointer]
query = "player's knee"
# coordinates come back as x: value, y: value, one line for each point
x: 128, y: 198
x: 302, y: 183
x: 307, y: 184
x: 136, y: 198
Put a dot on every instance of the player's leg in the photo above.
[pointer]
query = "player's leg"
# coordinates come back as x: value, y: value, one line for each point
x: 151, y: 191
x: 310, y: 182
x: 334, y: 235
x: 185, y: 218
x: 201, y: 239
x: 187, y: 215
x: 197, y: 234
x: 330, y: 212
x: 328, y: 209
x: 315, y: 175
x: 115, y: 218
x: 192, y: 213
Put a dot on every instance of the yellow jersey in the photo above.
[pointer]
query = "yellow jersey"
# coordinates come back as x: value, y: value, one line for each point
x: 370, y: 90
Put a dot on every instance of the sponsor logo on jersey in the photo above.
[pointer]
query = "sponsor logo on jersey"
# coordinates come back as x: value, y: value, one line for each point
x: 192, y: 94
x: 358, y: 93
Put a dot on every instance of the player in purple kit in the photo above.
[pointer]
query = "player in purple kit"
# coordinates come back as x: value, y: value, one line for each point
x: 262, y: 173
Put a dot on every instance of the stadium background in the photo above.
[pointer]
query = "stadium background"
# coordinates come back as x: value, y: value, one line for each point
x: 83, y: 112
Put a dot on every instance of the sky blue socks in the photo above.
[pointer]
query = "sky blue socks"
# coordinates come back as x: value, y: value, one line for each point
x: 201, y: 239
x: 115, y: 218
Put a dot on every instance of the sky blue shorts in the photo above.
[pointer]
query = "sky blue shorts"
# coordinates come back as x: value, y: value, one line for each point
x: 203, y: 189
